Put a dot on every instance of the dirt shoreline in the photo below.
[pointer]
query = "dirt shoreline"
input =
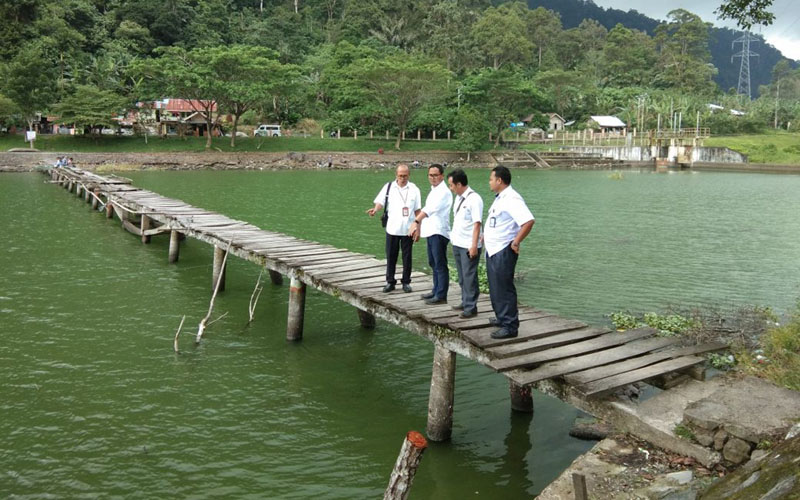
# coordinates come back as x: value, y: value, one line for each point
x: 28, y: 161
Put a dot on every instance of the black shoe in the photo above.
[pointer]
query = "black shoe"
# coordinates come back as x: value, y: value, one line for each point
x: 426, y: 296
x: 434, y: 300
x: 406, y: 288
x: 459, y: 307
x: 466, y: 314
x: 388, y: 288
x: 503, y: 334
x: 494, y: 322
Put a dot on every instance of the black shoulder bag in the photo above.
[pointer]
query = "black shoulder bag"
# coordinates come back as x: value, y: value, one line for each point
x: 385, y: 216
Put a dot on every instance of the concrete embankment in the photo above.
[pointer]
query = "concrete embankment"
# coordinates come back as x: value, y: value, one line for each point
x: 23, y: 162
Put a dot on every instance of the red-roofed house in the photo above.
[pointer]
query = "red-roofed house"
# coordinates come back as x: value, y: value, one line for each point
x: 175, y: 116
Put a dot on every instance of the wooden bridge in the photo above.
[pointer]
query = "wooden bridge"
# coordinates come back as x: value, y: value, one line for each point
x: 585, y: 362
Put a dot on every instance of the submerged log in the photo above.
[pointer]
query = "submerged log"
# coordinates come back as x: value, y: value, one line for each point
x: 440, y: 402
x: 406, y: 467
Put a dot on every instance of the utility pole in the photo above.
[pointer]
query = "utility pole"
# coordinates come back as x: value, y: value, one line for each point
x: 777, y: 97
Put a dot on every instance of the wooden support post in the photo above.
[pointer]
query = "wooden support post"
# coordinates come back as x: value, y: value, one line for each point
x: 275, y: 277
x: 144, y: 227
x: 419, y: 134
x: 69, y: 186
x: 297, y: 305
x: 370, y: 134
x: 434, y: 135
x: 95, y: 201
x: 387, y: 135
x: 521, y: 399
x: 109, y: 210
x: 355, y: 134
x: 174, y: 246
x: 219, y: 271
x: 86, y: 195
x: 321, y: 133
x: 338, y: 133
x: 579, y: 486
x: 406, y: 467
x: 440, y: 402
x: 367, y: 320
x: 448, y: 135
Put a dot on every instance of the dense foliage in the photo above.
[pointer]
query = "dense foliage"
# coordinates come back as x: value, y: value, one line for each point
x: 367, y: 64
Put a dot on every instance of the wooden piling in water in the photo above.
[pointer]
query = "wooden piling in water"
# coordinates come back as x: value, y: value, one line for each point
x: 219, y: 270
x: 297, y: 305
x: 366, y: 319
x: 275, y: 277
x: 109, y: 210
x: 145, y: 225
x: 95, y: 200
x: 521, y: 398
x: 174, y: 246
x: 440, y: 402
x: 405, y: 468
x: 86, y: 194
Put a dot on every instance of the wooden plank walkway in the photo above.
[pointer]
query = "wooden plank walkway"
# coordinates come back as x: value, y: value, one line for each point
x: 593, y: 360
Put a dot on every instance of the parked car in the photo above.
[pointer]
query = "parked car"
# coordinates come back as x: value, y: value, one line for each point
x: 268, y: 131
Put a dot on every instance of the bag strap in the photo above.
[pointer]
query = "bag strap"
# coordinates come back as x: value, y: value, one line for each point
x: 462, y: 201
x: 386, y: 199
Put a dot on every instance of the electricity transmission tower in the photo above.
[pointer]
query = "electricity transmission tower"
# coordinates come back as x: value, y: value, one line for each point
x: 744, y: 68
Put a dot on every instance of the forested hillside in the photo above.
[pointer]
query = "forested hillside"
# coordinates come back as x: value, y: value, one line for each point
x: 466, y: 66
x: 720, y: 40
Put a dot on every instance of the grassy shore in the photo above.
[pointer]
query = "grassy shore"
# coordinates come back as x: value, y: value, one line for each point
x: 112, y: 144
x: 771, y: 147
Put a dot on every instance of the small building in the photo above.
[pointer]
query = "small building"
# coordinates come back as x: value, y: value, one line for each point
x: 556, y: 121
x: 606, y: 123
x: 180, y: 116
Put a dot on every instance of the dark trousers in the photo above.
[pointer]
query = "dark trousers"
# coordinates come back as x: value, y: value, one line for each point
x: 467, y: 277
x: 437, y: 259
x: 500, y: 271
x: 393, y: 246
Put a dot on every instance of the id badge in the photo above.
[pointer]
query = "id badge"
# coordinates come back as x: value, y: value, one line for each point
x: 492, y: 221
x: 405, y: 211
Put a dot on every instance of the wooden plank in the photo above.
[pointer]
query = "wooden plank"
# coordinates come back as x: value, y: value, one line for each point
x: 533, y: 328
x: 597, y: 358
x: 592, y: 374
x: 482, y: 319
x: 355, y: 264
x: 538, y: 344
x: 603, y: 342
x: 603, y: 386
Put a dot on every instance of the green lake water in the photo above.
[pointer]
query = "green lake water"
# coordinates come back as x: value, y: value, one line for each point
x: 95, y: 404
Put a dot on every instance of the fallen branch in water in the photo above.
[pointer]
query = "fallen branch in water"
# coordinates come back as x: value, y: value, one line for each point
x: 254, y: 297
x: 175, y: 342
x: 204, y: 323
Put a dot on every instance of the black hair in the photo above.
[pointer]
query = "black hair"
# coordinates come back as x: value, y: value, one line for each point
x: 503, y: 174
x: 459, y: 176
x: 437, y: 167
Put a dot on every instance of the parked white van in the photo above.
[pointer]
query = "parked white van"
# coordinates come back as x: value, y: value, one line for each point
x: 268, y: 131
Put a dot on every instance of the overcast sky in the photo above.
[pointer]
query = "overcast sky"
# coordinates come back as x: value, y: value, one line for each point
x: 784, y: 33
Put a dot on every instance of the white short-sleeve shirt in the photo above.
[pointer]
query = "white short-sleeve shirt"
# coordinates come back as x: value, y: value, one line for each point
x: 506, y: 215
x: 467, y: 210
x: 407, y: 197
x: 437, y: 208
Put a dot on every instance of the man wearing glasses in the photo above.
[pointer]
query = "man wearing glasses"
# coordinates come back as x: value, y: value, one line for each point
x: 433, y: 224
x: 401, y: 199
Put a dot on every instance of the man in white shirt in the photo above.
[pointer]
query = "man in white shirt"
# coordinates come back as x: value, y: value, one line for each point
x: 465, y: 237
x: 433, y: 224
x: 508, y: 223
x: 402, y: 201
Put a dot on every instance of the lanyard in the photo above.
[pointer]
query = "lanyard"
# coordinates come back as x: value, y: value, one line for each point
x: 462, y: 202
x: 400, y: 192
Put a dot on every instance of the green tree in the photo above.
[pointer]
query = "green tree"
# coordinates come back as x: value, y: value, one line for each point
x: 746, y: 13
x: 247, y: 77
x: 472, y: 129
x: 544, y: 28
x: 91, y: 107
x: 502, y: 96
x: 500, y: 35
x: 30, y: 81
x: 400, y: 85
x: 685, y: 61
x: 628, y: 57
x: 8, y: 110
x: 448, y: 23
